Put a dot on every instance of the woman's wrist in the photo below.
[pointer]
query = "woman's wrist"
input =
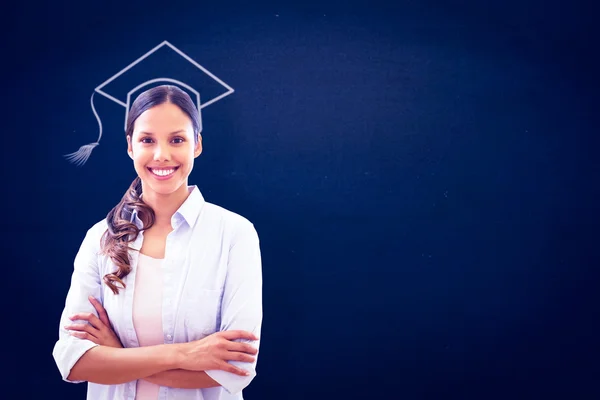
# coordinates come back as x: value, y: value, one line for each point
x: 174, y: 356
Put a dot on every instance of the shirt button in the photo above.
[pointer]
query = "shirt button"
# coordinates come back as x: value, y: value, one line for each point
x: 169, y: 337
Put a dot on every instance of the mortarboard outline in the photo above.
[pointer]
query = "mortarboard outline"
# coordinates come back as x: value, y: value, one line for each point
x: 80, y: 156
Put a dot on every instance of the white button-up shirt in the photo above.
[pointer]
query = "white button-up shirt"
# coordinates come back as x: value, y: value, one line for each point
x: 212, y: 282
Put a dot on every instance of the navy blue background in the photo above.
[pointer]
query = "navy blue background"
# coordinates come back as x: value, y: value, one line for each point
x: 423, y: 177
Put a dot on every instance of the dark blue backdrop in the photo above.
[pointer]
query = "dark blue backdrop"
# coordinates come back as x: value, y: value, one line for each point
x: 424, y: 179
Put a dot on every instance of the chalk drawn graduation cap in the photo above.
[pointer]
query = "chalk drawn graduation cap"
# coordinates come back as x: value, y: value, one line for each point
x: 146, y: 75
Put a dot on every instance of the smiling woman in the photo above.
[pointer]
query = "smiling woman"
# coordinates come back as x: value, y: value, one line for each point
x: 166, y: 293
x: 160, y: 153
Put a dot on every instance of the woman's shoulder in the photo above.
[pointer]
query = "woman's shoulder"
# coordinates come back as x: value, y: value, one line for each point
x: 98, y: 228
x: 96, y: 231
x: 231, y: 220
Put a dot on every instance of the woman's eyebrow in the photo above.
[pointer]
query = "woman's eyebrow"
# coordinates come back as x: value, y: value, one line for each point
x: 172, y: 133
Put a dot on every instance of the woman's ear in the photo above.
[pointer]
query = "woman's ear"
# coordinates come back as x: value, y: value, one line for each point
x: 198, y: 148
x: 129, y: 147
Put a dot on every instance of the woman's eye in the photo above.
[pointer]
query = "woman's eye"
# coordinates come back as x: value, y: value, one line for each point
x: 148, y: 140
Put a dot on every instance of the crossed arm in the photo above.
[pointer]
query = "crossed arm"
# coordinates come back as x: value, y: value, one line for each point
x: 156, y: 364
x: 180, y: 378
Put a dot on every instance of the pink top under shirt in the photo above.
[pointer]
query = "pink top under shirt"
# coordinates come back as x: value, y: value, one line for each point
x: 147, y: 314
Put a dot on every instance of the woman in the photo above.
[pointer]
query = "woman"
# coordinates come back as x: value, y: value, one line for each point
x: 165, y: 299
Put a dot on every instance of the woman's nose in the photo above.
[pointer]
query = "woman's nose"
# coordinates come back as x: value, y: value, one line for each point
x: 161, y: 153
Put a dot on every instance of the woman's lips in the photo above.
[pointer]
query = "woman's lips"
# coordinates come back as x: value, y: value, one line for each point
x: 163, y: 173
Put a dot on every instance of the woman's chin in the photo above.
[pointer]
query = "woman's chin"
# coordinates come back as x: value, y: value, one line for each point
x: 163, y: 188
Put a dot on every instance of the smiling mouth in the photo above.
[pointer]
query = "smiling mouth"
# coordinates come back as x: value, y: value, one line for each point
x: 163, y: 172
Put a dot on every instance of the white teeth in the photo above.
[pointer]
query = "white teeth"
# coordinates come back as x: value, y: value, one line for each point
x: 163, y: 172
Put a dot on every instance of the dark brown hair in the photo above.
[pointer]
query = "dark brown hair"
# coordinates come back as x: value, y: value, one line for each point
x: 121, y: 230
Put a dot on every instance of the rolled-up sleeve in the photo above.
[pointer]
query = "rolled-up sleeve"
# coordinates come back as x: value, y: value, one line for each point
x: 85, y: 282
x: 241, y: 306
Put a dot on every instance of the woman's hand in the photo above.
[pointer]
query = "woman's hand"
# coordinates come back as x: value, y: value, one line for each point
x: 98, y: 330
x: 215, y: 350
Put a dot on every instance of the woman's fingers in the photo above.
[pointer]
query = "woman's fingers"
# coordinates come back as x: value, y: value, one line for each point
x: 242, y: 347
x: 225, y: 366
x: 83, y: 331
x: 238, y: 351
x: 89, y: 317
x: 237, y: 334
x: 101, y: 311
x: 84, y: 335
x: 80, y: 327
x: 236, y: 356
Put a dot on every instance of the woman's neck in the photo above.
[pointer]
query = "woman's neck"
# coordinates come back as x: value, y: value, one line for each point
x: 165, y: 205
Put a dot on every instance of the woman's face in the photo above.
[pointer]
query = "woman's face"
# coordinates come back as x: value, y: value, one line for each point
x: 162, y: 148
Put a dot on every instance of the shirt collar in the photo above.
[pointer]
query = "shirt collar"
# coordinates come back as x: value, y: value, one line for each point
x: 188, y: 212
x: 190, y: 209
